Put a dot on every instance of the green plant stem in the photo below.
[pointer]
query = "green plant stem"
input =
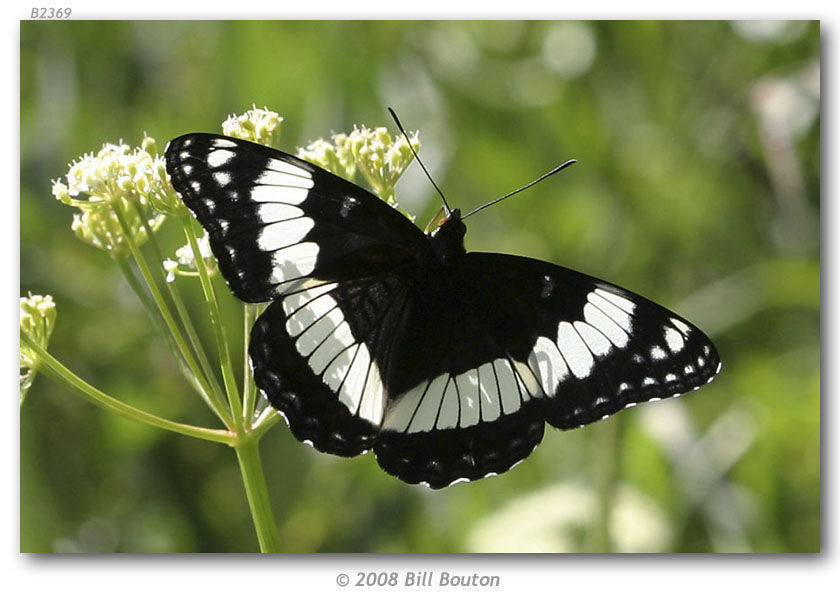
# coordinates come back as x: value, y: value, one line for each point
x: 183, y: 313
x: 217, y: 406
x: 253, y: 477
x: 64, y: 375
x: 265, y: 421
x: 192, y: 334
x: 605, y: 437
x: 148, y: 304
x: 247, y: 446
x: 249, y: 389
x: 216, y: 322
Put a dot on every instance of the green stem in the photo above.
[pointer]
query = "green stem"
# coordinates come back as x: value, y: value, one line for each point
x: 216, y: 322
x: 154, y: 314
x: 64, y: 375
x: 217, y: 406
x: 266, y: 421
x: 605, y: 437
x: 250, y: 464
x: 183, y: 313
x: 249, y: 389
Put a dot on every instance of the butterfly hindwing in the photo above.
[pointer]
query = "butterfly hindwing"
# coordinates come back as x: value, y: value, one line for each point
x: 318, y: 354
x: 446, y: 364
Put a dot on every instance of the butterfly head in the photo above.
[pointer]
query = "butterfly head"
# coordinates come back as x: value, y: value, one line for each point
x: 448, y: 239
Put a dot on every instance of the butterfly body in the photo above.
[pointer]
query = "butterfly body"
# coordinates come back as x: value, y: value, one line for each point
x: 445, y: 363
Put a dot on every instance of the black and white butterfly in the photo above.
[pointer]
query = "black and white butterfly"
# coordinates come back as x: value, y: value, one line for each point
x: 446, y: 363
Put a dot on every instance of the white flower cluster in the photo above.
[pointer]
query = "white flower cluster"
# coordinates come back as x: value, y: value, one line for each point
x: 37, y: 319
x: 258, y: 125
x: 373, y: 153
x: 184, y: 263
x: 120, y: 179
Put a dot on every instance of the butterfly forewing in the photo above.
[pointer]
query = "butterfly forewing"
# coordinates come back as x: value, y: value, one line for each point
x: 276, y: 221
x: 446, y: 364
x: 593, y: 347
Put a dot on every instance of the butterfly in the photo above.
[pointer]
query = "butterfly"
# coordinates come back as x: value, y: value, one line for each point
x: 445, y: 363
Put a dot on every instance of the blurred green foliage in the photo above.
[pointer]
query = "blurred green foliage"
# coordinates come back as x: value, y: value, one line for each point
x: 698, y: 185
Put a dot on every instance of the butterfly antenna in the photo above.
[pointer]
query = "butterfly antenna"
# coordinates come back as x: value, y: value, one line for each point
x: 420, y: 162
x: 556, y: 169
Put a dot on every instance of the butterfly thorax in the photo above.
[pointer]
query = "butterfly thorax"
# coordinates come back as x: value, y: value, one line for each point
x: 448, y: 240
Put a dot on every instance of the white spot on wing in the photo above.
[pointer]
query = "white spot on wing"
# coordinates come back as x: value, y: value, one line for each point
x: 600, y: 321
x: 340, y: 341
x: 347, y: 205
x: 284, y: 167
x: 674, y: 340
x: 548, y: 287
x: 545, y: 360
x: 222, y: 178
x: 597, y: 342
x: 402, y: 409
x: 489, y: 393
x: 574, y: 350
x: 657, y: 353
x: 623, y: 303
x: 277, y: 178
x: 372, y: 406
x: 217, y: 158
x: 272, y: 193
x: 508, y: 388
x: 350, y: 393
x: 294, y: 261
x: 448, y: 415
x: 684, y: 327
x: 284, y: 233
x: 526, y: 377
x: 468, y: 390
x: 618, y: 316
x: 271, y: 212
x: 310, y: 313
x: 335, y: 371
x: 294, y: 301
x: 319, y: 332
x: 426, y: 415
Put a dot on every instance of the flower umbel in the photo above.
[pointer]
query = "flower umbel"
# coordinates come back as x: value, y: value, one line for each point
x: 335, y: 157
x: 118, y: 181
x: 373, y: 153
x: 258, y: 125
x: 37, y: 319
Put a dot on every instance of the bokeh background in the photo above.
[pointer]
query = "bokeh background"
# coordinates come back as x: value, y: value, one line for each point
x: 698, y: 185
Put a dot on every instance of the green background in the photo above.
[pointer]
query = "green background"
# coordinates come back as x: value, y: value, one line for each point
x: 698, y: 185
